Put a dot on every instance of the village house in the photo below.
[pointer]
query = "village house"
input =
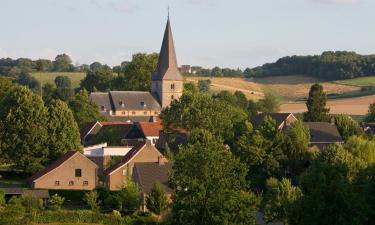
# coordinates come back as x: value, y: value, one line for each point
x: 72, y: 171
x: 151, y: 130
x: 146, y: 175
x: 166, y: 86
x: 117, y: 174
x: 283, y: 120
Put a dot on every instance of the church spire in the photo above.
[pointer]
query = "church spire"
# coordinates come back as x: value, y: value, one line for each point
x: 167, y: 65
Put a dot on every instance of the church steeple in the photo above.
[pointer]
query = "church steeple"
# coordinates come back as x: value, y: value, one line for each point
x: 167, y: 82
x: 167, y: 68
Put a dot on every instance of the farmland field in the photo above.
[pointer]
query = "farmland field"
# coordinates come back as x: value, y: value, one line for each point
x: 49, y: 77
x: 361, y: 81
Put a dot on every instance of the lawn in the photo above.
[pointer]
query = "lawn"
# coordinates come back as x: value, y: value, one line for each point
x: 361, y: 81
x: 49, y: 77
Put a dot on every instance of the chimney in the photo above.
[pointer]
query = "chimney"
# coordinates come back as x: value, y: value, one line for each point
x: 161, y: 160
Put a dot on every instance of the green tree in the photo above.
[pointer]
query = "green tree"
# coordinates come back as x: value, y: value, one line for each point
x: 62, y: 129
x: 347, y: 126
x: 5, y: 85
x: 98, y: 79
x: 269, y: 103
x: 63, y: 63
x: 29, y: 81
x: 279, y: 197
x: 136, y: 74
x: 209, y: 184
x: 197, y: 110
x: 14, y: 213
x: 361, y: 148
x: 156, y: 200
x: 23, y: 129
x: 55, y: 202
x: 316, y: 105
x: 328, y: 190
x: 204, y: 85
x: 129, y: 196
x: 370, y: 116
x: 91, y: 199
x: 63, y: 82
x: 84, y: 110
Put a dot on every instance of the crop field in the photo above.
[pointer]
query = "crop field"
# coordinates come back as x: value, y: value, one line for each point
x: 49, y: 77
x: 360, y: 82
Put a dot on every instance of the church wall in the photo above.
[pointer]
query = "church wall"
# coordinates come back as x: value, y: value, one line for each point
x: 168, y: 92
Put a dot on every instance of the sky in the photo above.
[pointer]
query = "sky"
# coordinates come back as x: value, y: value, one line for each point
x: 235, y: 33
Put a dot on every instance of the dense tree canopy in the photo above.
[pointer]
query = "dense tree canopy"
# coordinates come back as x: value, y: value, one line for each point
x: 84, y: 110
x: 98, y: 78
x: 370, y: 117
x: 210, y: 185
x: 23, y: 128
x: 328, y: 66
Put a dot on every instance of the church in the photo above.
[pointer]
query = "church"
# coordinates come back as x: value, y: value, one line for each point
x: 135, y: 106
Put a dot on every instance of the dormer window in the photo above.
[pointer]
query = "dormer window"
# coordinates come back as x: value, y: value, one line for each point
x: 143, y: 104
x: 102, y: 108
x: 121, y: 103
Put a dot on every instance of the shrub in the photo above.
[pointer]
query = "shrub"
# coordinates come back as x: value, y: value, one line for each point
x: 91, y: 199
x: 156, y: 201
x: 69, y: 195
x: 129, y: 196
x: 31, y: 204
x: 14, y: 213
x: 112, y: 202
x: 2, y: 198
x: 55, y: 202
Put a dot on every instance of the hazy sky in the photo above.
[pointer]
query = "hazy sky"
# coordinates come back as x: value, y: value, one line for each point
x: 233, y: 33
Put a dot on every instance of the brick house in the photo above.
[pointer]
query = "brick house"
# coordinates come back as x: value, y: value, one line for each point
x: 72, y: 171
x: 117, y: 174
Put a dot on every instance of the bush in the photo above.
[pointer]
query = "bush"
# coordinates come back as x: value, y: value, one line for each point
x: 91, y: 199
x: 112, y: 202
x: 55, y: 202
x: 2, y: 198
x: 14, y: 213
x: 129, y: 196
x: 69, y: 195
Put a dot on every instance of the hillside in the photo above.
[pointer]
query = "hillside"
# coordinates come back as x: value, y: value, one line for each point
x: 49, y: 77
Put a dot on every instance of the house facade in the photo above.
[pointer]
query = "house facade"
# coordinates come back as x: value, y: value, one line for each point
x: 72, y: 171
x: 166, y: 86
x: 117, y: 175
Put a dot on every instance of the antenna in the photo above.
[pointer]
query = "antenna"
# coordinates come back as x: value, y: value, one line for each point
x: 168, y: 11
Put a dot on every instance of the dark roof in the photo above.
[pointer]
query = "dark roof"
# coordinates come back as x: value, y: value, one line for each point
x: 167, y: 68
x: 127, y: 118
x: 126, y: 158
x: 151, y: 173
x: 278, y: 117
x: 53, y: 165
x: 85, y: 129
x: 29, y: 192
x: 102, y: 99
x: 36, y: 193
x: 323, y: 132
x: 134, y: 100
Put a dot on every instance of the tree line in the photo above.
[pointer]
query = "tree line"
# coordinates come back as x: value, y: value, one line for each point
x: 328, y: 66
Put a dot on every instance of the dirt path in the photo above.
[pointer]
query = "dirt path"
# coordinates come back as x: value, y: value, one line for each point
x: 352, y: 106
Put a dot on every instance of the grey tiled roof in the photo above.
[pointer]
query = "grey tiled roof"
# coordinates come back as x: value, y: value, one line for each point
x: 323, y: 132
x: 133, y: 100
x: 151, y: 173
x: 101, y: 99
x: 167, y: 64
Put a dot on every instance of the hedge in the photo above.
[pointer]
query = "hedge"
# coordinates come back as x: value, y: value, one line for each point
x: 69, y: 195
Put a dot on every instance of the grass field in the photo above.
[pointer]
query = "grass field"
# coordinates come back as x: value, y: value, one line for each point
x: 360, y: 82
x: 49, y: 77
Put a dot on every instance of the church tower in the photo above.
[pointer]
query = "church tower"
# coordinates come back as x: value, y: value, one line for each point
x: 167, y: 82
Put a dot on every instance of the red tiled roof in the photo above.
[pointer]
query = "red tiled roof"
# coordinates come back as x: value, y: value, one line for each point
x: 52, y: 166
x: 151, y: 128
x: 126, y: 158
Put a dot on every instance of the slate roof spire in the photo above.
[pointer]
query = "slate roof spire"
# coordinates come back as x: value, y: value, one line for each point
x: 167, y: 65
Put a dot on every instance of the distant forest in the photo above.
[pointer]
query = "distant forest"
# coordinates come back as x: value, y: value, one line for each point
x: 328, y: 66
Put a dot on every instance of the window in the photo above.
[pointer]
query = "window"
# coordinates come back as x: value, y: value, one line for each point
x: 71, y: 183
x: 57, y: 183
x: 145, y: 112
x: 123, y: 112
x: 156, y: 113
x: 78, y: 173
x: 133, y: 113
x: 143, y: 104
x: 120, y: 102
x: 124, y: 172
x: 172, y: 86
x: 102, y: 108
x: 85, y: 183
